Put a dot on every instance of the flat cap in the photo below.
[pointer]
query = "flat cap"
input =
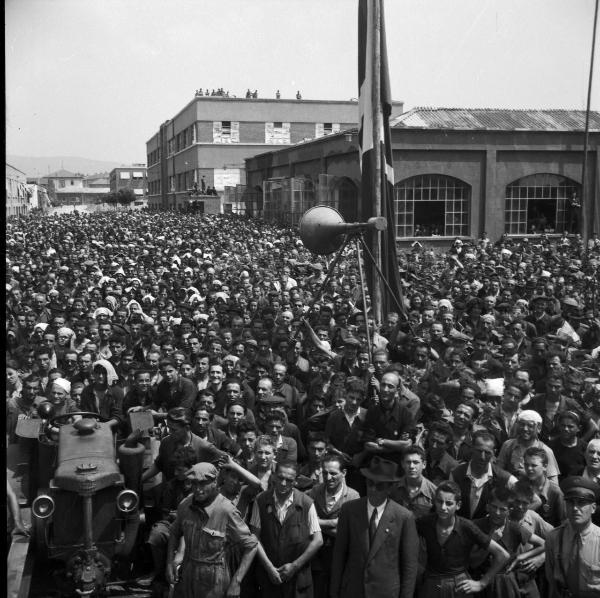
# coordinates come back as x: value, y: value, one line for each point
x: 274, y: 399
x: 202, y: 472
x: 179, y: 415
x: 456, y: 335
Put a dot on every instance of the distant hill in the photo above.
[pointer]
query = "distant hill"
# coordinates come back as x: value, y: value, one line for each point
x: 38, y: 167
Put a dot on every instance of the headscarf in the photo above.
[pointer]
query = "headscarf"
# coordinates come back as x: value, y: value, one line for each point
x: 111, y: 374
x: 530, y: 415
x: 63, y: 383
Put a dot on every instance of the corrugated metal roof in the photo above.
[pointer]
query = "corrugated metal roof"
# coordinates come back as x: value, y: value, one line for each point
x: 496, y: 119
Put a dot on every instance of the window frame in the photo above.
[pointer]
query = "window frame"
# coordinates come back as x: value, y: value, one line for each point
x: 455, y: 193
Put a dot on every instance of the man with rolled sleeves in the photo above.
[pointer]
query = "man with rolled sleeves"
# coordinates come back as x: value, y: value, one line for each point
x: 286, y: 523
x: 573, y: 549
x: 209, y: 523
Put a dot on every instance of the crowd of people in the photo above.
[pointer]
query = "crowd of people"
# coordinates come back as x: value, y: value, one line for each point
x: 308, y: 450
x: 220, y: 92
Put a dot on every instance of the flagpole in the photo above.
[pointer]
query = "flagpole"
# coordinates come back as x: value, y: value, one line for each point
x: 588, y: 217
x: 376, y: 295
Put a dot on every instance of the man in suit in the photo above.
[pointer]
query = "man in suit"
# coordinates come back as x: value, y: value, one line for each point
x: 375, y: 553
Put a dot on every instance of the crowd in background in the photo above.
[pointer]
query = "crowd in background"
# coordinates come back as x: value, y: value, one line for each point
x: 474, y: 405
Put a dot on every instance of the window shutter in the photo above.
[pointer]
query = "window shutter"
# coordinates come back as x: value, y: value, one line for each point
x: 269, y: 133
x: 235, y: 132
x: 217, y: 135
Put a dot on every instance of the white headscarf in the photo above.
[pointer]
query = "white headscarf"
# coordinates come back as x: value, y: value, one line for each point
x: 111, y: 374
x: 63, y: 383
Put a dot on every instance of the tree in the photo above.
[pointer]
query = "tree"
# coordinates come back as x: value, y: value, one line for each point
x: 126, y: 196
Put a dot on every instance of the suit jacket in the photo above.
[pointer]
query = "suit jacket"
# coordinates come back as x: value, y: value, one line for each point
x: 387, y: 568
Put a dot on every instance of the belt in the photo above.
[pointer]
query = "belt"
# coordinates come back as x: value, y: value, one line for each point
x: 197, y: 561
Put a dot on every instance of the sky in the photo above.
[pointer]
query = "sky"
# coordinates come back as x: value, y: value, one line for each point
x: 95, y: 78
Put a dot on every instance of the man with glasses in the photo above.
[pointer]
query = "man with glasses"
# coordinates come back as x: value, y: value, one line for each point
x: 376, y: 549
x: 69, y: 364
x: 573, y: 549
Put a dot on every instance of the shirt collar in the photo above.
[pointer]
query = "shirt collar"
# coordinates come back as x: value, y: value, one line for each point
x: 488, y: 475
x: 335, y: 497
x: 380, y: 509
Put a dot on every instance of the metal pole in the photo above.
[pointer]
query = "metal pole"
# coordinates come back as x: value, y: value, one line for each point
x: 587, y: 215
x: 358, y: 240
x: 376, y: 295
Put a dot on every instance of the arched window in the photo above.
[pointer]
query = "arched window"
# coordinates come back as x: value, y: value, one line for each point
x: 432, y: 205
x: 540, y: 203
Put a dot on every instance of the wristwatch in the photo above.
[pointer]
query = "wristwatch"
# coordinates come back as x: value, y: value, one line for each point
x: 380, y: 443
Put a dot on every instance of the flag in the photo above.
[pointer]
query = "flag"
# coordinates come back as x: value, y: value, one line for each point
x: 377, y: 145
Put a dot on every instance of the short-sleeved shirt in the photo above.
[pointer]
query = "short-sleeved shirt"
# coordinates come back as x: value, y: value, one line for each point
x: 452, y: 557
x: 169, y: 451
x: 536, y: 524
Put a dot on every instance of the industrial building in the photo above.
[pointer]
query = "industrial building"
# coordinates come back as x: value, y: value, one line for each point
x: 457, y: 172
x: 203, y: 147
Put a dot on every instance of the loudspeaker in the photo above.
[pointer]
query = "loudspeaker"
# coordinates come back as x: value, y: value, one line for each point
x: 322, y: 229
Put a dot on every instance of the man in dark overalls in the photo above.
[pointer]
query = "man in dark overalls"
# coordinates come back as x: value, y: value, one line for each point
x: 208, y: 522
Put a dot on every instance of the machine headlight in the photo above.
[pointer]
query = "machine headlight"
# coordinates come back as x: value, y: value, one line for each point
x: 43, y: 506
x: 127, y: 501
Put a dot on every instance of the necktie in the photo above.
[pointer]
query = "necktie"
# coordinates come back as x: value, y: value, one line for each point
x: 574, y: 565
x: 372, y: 527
